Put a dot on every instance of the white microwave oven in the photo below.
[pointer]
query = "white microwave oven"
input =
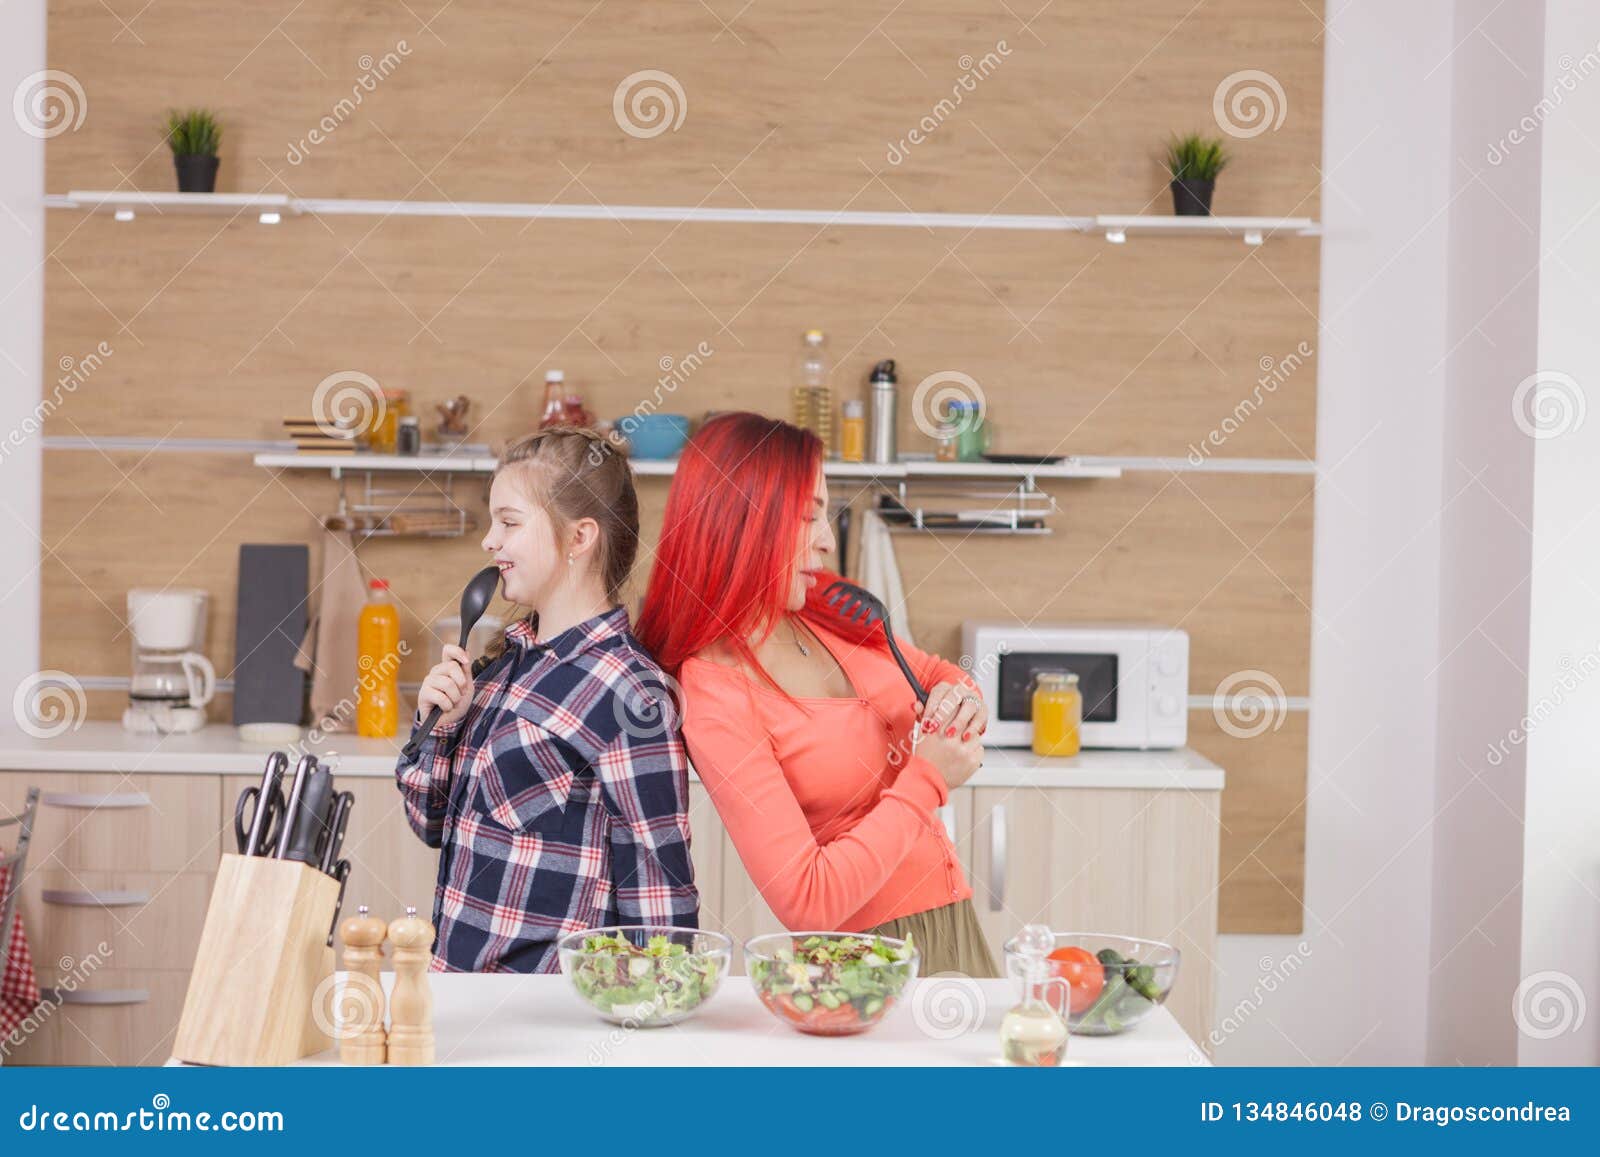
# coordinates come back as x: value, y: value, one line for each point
x: 1134, y: 679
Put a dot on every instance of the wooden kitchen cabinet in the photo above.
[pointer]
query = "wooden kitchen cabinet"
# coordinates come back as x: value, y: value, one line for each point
x: 123, y: 862
x: 1124, y: 862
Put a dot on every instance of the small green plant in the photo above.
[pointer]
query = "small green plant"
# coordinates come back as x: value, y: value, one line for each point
x: 1196, y: 158
x: 193, y: 133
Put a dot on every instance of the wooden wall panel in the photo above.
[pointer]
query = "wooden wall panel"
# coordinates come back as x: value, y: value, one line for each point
x: 218, y: 329
x: 1079, y: 346
x: 786, y: 104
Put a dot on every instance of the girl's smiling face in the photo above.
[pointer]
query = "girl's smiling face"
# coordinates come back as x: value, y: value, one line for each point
x: 522, y: 540
x: 816, y: 541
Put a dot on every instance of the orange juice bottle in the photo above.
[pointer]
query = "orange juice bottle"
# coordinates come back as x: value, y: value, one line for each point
x: 1057, y: 713
x: 378, y: 641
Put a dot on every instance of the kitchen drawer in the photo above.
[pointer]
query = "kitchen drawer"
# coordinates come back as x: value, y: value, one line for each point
x: 148, y: 920
x: 390, y: 867
x: 107, y: 822
x: 137, y: 1028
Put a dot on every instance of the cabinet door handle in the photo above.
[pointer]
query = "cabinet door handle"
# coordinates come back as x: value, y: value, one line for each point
x: 96, y: 995
x: 88, y: 898
x: 997, y: 858
x: 93, y: 800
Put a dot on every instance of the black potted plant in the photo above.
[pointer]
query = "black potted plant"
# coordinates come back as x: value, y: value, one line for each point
x: 1194, y: 162
x: 194, y: 136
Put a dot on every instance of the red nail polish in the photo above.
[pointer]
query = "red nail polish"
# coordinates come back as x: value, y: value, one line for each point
x: 983, y: 729
x: 927, y: 725
x: 949, y: 732
x: 966, y: 735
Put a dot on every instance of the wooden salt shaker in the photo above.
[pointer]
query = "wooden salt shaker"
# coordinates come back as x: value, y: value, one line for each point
x: 362, y: 1040
x: 411, y: 1002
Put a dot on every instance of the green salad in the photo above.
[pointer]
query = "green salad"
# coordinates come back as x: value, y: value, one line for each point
x: 833, y: 985
x: 651, y: 985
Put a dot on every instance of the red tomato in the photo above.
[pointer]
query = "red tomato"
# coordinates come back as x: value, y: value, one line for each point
x: 1083, y: 973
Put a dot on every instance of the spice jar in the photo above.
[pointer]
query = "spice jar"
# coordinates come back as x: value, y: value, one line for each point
x: 408, y: 437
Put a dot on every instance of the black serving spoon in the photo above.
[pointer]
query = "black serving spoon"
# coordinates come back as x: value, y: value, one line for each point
x: 860, y: 605
x: 474, y: 601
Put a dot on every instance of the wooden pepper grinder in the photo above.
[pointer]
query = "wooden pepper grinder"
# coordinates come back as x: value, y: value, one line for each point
x: 362, y: 1040
x: 411, y: 1002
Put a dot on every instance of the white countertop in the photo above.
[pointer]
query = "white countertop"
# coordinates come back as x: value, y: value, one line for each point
x: 509, y: 1019
x: 101, y: 746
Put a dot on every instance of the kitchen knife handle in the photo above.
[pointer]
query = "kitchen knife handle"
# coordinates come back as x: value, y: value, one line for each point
x: 311, y: 822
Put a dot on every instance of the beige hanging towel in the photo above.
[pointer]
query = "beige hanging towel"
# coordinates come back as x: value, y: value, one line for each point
x: 330, y: 655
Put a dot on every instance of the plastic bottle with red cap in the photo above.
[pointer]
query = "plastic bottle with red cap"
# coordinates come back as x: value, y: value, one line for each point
x: 378, y: 665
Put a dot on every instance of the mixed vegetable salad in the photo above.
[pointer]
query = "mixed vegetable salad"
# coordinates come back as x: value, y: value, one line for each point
x: 656, y: 984
x: 834, y: 985
x: 1107, y: 991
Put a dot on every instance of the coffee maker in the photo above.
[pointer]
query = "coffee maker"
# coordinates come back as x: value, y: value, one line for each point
x: 172, y: 681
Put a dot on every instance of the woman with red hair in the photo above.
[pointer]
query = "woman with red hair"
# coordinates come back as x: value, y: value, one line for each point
x: 814, y: 749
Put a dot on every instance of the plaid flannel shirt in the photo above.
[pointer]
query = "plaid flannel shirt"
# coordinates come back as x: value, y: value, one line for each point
x: 558, y: 802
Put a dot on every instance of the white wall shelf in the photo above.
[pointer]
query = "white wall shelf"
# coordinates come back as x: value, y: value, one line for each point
x: 337, y: 464
x: 1252, y: 230
x: 272, y: 208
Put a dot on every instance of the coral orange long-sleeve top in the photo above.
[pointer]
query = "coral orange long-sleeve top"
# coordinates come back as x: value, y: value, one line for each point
x: 826, y: 803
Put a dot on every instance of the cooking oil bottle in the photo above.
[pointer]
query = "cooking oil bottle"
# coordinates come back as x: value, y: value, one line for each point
x: 1033, y: 1033
x: 378, y: 642
x: 811, y: 402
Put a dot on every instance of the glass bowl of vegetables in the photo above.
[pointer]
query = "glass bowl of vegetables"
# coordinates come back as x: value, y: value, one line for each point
x: 1111, y: 983
x: 644, y: 975
x: 829, y: 983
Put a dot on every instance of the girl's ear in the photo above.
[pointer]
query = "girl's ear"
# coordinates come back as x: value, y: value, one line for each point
x: 582, y: 537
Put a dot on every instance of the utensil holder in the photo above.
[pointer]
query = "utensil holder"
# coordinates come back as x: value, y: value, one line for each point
x: 263, y: 955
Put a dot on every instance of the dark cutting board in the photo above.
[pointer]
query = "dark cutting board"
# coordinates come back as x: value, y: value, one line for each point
x: 271, y: 624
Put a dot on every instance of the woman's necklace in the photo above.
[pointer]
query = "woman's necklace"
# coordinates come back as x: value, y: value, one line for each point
x: 798, y: 641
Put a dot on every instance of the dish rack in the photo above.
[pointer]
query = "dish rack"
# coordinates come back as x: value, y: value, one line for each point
x: 1018, y: 508
x: 378, y: 511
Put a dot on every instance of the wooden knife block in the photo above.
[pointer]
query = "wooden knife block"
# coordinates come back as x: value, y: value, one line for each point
x: 263, y: 955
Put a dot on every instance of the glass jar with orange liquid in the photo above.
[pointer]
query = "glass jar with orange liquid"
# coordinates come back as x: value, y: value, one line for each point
x: 378, y: 660
x: 1057, y: 713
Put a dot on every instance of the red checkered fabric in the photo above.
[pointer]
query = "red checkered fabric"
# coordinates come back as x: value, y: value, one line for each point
x: 19, y: 987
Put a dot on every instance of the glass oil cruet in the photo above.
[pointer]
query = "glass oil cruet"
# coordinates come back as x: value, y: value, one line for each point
x: 1033, y: 1033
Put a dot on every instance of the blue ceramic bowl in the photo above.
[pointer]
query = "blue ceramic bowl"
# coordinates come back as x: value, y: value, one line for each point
x: 655, y: 436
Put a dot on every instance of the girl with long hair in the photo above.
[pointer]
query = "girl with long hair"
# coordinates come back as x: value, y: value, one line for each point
x: 555, y: 783
x: 811, y: 744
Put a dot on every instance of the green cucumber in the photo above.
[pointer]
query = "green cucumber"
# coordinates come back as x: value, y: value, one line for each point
x: 829, y: 999
x: 803, y: 1002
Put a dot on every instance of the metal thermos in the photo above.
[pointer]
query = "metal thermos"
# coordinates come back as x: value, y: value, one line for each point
x: 880, y: 433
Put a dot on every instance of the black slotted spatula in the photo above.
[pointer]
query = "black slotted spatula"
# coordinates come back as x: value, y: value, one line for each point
x: 860, y: 605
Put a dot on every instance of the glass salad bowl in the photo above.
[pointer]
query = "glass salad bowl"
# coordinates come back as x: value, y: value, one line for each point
x: 829, y: 983
x: 643, y: 975
x: 1110, y: 983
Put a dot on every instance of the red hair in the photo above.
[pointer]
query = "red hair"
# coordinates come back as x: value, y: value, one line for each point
x: 723, y: 567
